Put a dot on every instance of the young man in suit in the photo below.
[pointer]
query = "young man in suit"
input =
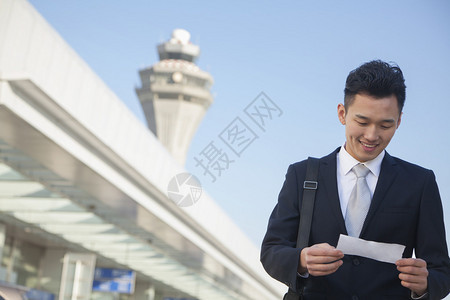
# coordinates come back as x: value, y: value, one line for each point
x: 403, y: 206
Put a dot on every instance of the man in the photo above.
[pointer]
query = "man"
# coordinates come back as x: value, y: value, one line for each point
x: 401, y: 200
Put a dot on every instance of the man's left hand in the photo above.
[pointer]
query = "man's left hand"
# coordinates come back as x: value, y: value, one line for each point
x: 413, y: 274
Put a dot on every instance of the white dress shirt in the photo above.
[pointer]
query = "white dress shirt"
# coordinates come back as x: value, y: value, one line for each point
x: 346, y: 179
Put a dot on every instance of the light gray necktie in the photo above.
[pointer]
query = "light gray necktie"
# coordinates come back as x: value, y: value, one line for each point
x: 359, y: 202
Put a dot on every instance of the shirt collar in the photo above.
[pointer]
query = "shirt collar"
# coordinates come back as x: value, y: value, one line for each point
x: 347, y: 162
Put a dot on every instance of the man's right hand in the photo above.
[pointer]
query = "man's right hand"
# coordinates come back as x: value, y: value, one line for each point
x: 320, y: 260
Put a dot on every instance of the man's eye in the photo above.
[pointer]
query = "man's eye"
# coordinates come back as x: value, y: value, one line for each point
x: 361, y: 123
x: 385, y: 126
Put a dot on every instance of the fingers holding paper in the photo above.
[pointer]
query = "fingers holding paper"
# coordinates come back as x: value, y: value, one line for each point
x: 413, y: 274
x: 320, y: 259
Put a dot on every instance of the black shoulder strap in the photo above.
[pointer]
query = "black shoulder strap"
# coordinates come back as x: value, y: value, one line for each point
x: 309, y: 192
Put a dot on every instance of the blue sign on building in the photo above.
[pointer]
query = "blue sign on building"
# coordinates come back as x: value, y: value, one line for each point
x: 34, y: 294
x: 114, y: 281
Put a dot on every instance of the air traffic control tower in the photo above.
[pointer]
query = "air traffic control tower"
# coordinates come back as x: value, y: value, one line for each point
x: 175, y: 94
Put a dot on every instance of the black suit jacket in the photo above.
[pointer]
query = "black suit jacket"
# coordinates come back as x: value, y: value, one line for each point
x: 405, y: 209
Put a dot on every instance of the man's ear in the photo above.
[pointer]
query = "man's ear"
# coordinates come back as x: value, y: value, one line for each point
x: 341, y: 113
x: 399, y: 119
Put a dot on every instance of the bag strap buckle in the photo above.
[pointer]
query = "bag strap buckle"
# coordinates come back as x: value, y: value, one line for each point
x: 310, y: 185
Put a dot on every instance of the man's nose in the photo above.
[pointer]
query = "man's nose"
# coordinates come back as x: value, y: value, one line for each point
x: 371, y: 133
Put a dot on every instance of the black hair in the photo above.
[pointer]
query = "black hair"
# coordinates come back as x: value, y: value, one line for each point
x: 378, y: 79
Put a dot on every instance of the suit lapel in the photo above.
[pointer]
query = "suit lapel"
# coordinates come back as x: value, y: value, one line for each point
x: 387, y: 176
x: 329, y: 182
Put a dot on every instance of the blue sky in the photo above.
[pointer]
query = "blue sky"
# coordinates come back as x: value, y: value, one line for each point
x: 299, y: 53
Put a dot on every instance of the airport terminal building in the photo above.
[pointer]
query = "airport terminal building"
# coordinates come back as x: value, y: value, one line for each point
x: 84, y: 208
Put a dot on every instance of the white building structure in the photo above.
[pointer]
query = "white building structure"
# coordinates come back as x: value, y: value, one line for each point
x: 175, y: 94
x: 83, y: 184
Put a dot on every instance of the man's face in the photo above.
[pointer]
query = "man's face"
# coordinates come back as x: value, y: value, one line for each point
x: 370, y: 124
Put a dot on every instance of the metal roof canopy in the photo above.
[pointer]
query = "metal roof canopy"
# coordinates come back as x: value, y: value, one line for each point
x: 64, y: 218
x: 85, y: 198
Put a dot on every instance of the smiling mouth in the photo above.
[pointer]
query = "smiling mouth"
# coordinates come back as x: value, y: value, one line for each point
x: 370, y: 146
